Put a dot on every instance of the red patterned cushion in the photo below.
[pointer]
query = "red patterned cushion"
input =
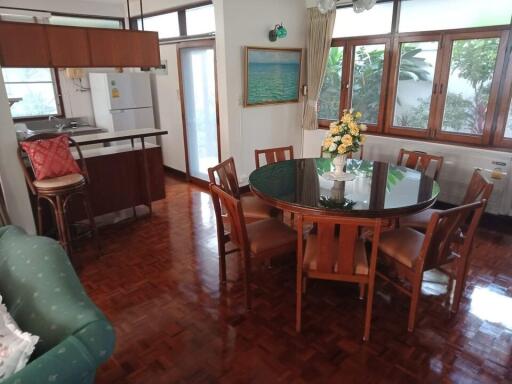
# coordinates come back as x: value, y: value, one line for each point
x: 51, y: 157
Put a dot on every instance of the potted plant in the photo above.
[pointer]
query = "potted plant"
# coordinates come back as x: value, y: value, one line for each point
x: 344, y: 137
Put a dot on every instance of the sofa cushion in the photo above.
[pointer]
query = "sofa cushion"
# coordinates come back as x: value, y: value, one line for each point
x: 16, y: 346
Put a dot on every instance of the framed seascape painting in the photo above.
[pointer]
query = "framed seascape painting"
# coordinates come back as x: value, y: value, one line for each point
x: 272, y: 75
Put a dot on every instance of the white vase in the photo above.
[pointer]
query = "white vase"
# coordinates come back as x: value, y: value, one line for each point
x: 339, y: 163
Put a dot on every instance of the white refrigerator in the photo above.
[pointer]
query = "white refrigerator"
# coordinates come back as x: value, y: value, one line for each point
x: 122, y: 101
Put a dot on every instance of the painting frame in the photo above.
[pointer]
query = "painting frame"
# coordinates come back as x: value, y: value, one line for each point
x: 247, y: 76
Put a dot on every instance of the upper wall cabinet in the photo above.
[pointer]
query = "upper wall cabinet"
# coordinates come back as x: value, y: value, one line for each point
x: 23, y: 45
x: 69, y: 47
x: 124, y: 48
x: 37, y: 45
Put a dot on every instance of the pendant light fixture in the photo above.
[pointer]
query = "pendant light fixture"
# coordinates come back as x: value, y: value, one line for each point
x: 363, y: 5
x: 325, y: 6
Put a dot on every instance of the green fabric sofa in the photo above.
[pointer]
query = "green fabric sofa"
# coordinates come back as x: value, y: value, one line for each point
x: 44, y: 295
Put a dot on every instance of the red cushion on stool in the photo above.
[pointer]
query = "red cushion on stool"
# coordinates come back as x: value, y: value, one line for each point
x: 51, y: 157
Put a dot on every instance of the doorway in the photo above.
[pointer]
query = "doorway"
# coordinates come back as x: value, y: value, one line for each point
x: 199, y: 108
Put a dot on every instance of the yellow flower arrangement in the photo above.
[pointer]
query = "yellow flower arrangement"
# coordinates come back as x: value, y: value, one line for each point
x: 345, y: 136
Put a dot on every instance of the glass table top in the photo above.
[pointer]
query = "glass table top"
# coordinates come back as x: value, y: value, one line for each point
x: 379, y: 189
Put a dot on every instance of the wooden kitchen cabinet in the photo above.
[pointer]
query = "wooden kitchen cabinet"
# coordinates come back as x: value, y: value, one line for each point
x: 37, y: 45
x: 23, y: 45
x: 69, y: 46
x: 116, y: 48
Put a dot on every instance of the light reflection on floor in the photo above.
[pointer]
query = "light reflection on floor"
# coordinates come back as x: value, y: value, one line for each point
x: 492, y: 306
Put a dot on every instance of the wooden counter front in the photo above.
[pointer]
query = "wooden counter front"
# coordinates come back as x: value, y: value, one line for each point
x: 117, y: 182
x: 117, y: 179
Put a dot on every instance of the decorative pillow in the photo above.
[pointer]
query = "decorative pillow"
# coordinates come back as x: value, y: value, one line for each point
x: 15, y: 346
x: 51, y: 157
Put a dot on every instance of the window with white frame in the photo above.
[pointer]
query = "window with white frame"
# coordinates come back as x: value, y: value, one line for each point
x: 37, y: 90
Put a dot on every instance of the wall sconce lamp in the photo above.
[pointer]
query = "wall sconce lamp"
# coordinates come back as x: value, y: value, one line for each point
x: 279, y: 32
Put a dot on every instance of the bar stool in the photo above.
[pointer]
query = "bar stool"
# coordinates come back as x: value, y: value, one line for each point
x: 58, y: 191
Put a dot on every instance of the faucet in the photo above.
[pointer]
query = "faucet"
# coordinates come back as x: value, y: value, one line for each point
x: 59, y: 126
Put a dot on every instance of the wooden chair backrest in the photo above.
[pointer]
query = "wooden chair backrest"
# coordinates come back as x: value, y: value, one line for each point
x: 235, y: 214
x: 419, y: 161
x: 273, y: 155
x: 224, y: 176
x: 4, y: 216
x: 445, y: 230
x: 350, y: 155
x: 479, y: 188
x: 29, y: 177
x: 344, y: 231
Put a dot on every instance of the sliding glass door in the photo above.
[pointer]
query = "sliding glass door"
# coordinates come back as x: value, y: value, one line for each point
x: 199, y: 106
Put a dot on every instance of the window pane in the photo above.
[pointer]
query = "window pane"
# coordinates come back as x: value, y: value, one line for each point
x: 366, y: 81
x: 85, y: 22
x: 430, y: 15
x: 374, y: 22
x: 415, y: 79
x: 471, y: 71
x: 26, y: 74
x: 508, y: 128
x: 166, y: 25
x: 200, y: 20
x: 329, y: 102
x: 38, y: 99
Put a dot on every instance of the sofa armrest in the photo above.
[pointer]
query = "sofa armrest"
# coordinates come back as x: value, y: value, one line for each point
x: 68, y: 362
x: 99, y: 339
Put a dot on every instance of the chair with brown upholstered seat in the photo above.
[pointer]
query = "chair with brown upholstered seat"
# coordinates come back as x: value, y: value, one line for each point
x: 273, y: 155
x: 259, y: 240
x: 420, y: 161
x: 58, y: 192
x: 335, y: 251
x: 224, y: 176
x: 445, y: 243
x: 478, y: 188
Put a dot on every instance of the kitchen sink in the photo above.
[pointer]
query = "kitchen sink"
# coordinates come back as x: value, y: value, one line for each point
x: 72, y: 127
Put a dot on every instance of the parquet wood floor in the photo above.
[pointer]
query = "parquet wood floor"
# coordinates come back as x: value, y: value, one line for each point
x: 158, y: 283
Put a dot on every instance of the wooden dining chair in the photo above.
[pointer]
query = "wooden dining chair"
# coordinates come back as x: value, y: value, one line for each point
x: 273, y: 155
x: 478, y: 188
x: 224, y: 176
x: 260, y: 240
x: 412, y: 253
x: 420, y: 161
x: 334, y: 251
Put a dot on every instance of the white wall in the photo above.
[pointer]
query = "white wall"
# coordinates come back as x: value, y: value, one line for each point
x: 11, y: 176
x: 78, y: 103
x: 167, y: 106
x: 247, y: 23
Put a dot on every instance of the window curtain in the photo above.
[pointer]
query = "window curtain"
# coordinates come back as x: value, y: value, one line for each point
x: 320, y: 31
x: 4, y: 219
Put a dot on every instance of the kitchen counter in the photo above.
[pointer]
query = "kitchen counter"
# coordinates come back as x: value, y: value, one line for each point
x: 122, y: 176
x: 108, y: 137
x: 25, y: 133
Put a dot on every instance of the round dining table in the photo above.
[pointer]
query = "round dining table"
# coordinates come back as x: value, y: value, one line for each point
x: 379, y: 189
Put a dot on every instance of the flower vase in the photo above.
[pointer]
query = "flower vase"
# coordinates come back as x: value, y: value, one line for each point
x: 339, y: 163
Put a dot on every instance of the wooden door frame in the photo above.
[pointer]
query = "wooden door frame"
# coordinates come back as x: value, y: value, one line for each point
x: 207, y: 43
